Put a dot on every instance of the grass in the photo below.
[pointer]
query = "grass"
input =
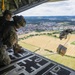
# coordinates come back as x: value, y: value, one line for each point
x: 67, y: 61
x: 28, y: 46
x: 73, y: 43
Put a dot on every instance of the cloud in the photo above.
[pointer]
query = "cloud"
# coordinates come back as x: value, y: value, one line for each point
x: 61, y: 8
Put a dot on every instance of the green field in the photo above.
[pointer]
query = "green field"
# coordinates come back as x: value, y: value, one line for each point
x: 28, y: 46
x: 73, y: 43
x: 32, y: 45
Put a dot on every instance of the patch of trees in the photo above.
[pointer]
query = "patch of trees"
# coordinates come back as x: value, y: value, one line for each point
x: 31, y: 35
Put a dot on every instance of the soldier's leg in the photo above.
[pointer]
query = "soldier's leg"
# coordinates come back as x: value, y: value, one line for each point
x: 4, y: 57
x: 13, y: 42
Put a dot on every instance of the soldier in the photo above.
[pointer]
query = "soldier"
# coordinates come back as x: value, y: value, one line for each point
x: 64, y: 33
x: 3, y: 19
x: 9, y: 38
x: 6, y: 17
x: 4, y: 58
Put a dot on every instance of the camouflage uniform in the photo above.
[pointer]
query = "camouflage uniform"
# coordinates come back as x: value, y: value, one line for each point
x: 4, y: 57
x: 10, y: 39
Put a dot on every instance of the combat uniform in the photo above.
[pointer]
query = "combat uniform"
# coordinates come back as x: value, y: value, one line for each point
x: 9, y: 38
x: 4, y: 57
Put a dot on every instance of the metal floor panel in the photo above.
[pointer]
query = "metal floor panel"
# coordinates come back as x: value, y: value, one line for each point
x: 29, y: 63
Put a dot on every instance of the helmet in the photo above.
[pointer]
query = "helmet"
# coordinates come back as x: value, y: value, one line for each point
x: 7, y: 12
x: 19, y: 21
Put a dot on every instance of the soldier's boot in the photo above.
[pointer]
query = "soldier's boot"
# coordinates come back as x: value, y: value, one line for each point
x: 17, y: 49
x: 4, y: 57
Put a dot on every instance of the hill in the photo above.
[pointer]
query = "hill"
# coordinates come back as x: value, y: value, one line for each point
x: 38, y: 19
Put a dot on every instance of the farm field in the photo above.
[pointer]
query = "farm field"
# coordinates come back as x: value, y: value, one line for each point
x: 45, y: 45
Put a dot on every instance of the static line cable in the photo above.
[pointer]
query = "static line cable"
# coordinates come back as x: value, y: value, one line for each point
x: 3, y: 5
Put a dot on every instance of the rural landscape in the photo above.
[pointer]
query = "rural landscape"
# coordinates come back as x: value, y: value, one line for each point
x: 41, y: 35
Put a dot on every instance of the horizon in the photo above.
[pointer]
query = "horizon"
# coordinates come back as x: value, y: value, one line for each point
x: 49, y: 16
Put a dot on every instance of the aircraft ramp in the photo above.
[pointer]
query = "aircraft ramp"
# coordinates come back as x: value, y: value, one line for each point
x: 29, y: 63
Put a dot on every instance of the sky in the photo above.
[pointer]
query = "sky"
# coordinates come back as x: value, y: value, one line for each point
x: 60, y: 8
